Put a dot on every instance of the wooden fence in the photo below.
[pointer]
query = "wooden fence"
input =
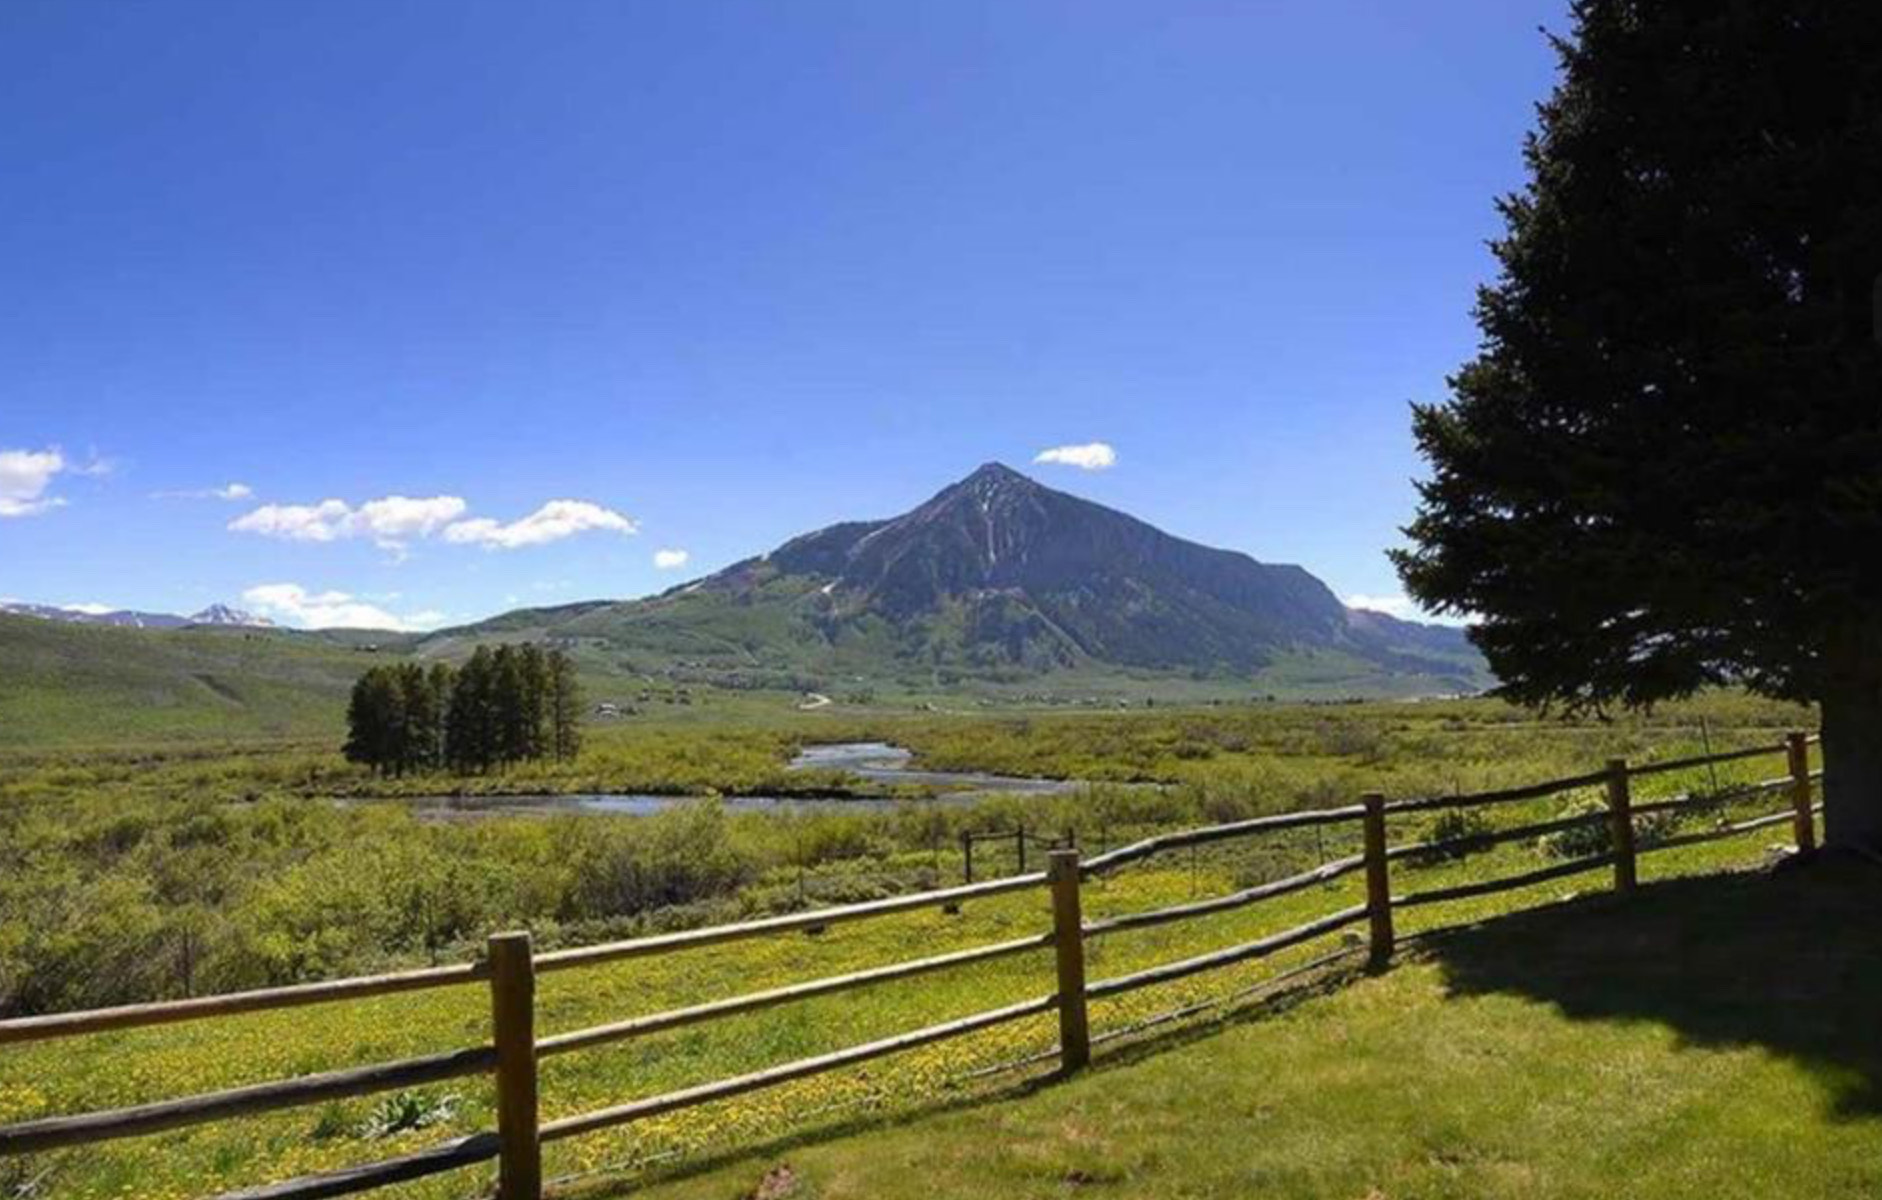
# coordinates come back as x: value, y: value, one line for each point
x: 510, y: 967
x: 1021, y: 837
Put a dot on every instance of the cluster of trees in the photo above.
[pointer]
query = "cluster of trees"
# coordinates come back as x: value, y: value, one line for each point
x: 506, y: 705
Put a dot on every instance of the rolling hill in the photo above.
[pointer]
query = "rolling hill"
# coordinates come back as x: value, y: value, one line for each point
x: 67, y: 683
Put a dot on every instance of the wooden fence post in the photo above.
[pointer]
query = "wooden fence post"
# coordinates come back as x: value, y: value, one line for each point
x: 967, y: 857
x: 1621, y: 825
x: 1019, y: 842
x: 513, y: 1018
x: 1378, y: 881
x: 1068, y: 945
x: 1803, y: 824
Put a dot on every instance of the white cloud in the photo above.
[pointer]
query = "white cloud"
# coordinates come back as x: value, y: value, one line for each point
x: 393, y: 522
x: 670, y: 560
x: 1091, y: 456
x: 552, y: 522
x: 390, y: 521
x: 228, y: 491
x: 323, y: 522
x: 90, y: 608
x: 295, y: 605
x: 24, y: 477
x: 93, y: 467
x: 1404, y: 608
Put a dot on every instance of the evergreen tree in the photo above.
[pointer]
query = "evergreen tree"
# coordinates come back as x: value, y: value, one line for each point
x: 510, y: 701
x: 533, y: 702
x: 441, y: 679
x: 469, y: 720
x: 422, y: 720
x: 373, y: 718
x: 564, y: 706
x: 1664, y: 468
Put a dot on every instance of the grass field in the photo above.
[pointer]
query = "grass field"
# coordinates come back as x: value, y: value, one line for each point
x: 69, y: 684
x: 1398, y: 743
x: 1712, y: 1038
x: 148, y: 871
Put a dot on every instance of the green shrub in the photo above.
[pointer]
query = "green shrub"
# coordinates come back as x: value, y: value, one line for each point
x: 1578, y: 841
x: 1593, y: 837
x: 1453, y: 835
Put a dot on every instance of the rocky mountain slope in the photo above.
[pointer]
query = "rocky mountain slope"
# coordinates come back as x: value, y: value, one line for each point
x: 998, y: 577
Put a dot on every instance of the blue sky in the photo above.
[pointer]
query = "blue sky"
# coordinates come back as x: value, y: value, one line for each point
x: 717, y: 273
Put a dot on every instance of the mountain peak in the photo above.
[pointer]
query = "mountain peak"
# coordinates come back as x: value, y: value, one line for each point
x: 1000, y: 576
x: 997, y: 479
x: 215, y: 614
x: 997, y: 472
x: 223, y: 614
x: 993, y: 479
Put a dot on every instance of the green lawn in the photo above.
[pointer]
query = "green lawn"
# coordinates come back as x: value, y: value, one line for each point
x: 1714, y: 1037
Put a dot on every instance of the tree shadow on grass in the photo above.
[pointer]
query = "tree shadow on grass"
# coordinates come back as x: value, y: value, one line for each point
x: 1790, y: 961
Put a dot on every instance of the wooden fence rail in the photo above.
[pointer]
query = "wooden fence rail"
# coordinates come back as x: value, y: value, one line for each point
x: 131, y: 1016
x: 510, y: 968
x: 53, y: 1132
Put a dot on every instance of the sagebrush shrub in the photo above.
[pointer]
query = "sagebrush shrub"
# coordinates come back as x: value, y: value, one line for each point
x: 1454, y: 834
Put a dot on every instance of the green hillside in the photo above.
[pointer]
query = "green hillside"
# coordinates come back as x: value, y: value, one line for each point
x: 86, y: 685
x: 72, y: 684
x: 770, y: 636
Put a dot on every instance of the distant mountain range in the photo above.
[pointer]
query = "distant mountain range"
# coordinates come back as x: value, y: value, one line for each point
x: 999, y: 578
x: 215, y: 614
x: 996, y: 589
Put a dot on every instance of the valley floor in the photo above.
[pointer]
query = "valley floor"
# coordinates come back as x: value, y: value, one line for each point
x: 1715, y: 1037
x: 1711, y: 1037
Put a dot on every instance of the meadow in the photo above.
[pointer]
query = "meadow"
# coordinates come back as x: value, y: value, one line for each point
x: 144, y: 874
x: 186, y: 870
x: 1585, y: 1050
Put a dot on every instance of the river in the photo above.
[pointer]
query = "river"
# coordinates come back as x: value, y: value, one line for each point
x: 875, y: 762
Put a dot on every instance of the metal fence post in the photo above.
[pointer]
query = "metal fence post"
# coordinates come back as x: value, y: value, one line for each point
x: 967, y: 857
x: 1803, y: 824
x: 1621, y: 825
x: 513, y: 1019
x: 1378, y: 881
x: 1068, y: 945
